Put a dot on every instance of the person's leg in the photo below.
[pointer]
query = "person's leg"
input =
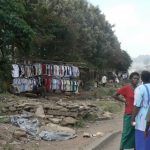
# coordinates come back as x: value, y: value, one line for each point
x: 128, y: 134
x: 123, y: 135
x: 140, y: 140
x: 147, y: 141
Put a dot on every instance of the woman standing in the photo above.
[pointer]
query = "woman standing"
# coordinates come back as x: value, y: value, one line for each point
x: 127, y: 91
x: 141, y: 105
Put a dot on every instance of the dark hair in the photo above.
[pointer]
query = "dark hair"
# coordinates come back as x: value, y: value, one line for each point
x: 133, y: 74
x: 145, y: 76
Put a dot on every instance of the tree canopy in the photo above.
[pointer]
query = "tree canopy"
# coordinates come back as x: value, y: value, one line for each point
x: 61, y: 30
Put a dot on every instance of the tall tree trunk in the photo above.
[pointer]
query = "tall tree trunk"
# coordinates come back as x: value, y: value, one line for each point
x: 2, y: 53
x: 13, y: 51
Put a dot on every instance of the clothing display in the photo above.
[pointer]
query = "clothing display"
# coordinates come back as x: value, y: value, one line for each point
x: 53, y: 77
x: 15, y: 71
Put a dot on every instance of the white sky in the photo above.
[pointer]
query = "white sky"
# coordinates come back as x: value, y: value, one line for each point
x: 132, y: 23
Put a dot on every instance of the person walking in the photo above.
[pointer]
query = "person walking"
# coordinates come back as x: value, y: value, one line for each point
x: 141, y: 105
x: 104, y: 80
x: 127, y: 93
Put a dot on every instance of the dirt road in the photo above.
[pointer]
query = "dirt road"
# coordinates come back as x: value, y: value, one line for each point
x: 113, y: 144
x: 79, y: 143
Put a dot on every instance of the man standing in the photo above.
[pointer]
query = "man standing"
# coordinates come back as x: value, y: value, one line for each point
x: 127, y: 91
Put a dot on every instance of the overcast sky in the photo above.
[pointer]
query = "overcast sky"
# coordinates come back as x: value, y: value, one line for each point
x: 132, y: 23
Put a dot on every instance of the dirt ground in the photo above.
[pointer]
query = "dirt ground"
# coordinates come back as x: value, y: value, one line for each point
x: 78, y: 143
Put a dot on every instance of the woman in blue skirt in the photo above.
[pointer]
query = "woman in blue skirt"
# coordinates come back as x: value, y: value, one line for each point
x: 141, y: 105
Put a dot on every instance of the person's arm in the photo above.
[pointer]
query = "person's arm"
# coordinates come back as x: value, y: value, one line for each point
x: 117, y: 97
x: 147, y: 123
x: 134, y: 114
x: 146, y: 129
x: 137, y: 104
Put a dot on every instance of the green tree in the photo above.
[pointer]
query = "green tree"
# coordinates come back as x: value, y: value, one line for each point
x: 124, y: 62
x: 15, y: 33
x: 15, y: 36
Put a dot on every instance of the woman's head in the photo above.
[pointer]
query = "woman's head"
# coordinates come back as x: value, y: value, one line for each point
x: 134, y: 77
x: 145, y: 76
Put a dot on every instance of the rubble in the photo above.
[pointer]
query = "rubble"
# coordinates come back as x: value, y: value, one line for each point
x: 40, y: 112
x: 108, y: 115
x: 3, y: 142
x: 53, y: 117
x: 99, y: 134
x: 4, y: 134
x: 55, y: 120
x: 87, y: 135
x: 60, y: 108
x: 68, y: 121
x: 19, y: 133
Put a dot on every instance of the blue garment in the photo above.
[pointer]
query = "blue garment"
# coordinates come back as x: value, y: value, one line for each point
x: 141, y: 142
x: 141, y: 100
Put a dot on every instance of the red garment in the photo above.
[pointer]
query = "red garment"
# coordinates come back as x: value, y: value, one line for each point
x: 128, y: 93
x: 48, y: 87
x: 47, y: 83
x: 43, y: 69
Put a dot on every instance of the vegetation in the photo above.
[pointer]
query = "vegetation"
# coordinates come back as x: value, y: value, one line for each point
x: 92, y: 117
x: 8, y: 147
x: 61, y: 30
x: 5, y: 74
x: 103, y: 91
x: 4, y: 119
x: 110, y: 106
x: 15, y: 33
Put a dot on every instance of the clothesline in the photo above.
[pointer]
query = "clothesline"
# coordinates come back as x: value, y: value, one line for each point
x: 44, y: 69
x: 53, y: 77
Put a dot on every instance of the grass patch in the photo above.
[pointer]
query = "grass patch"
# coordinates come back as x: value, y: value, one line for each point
x: 4, y: 119
x: 5, y: 94
x: 104, y: 91
x: 8, y: 147
x: 79, y: 124
x: 110, y: 106
x: 88, y: 117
